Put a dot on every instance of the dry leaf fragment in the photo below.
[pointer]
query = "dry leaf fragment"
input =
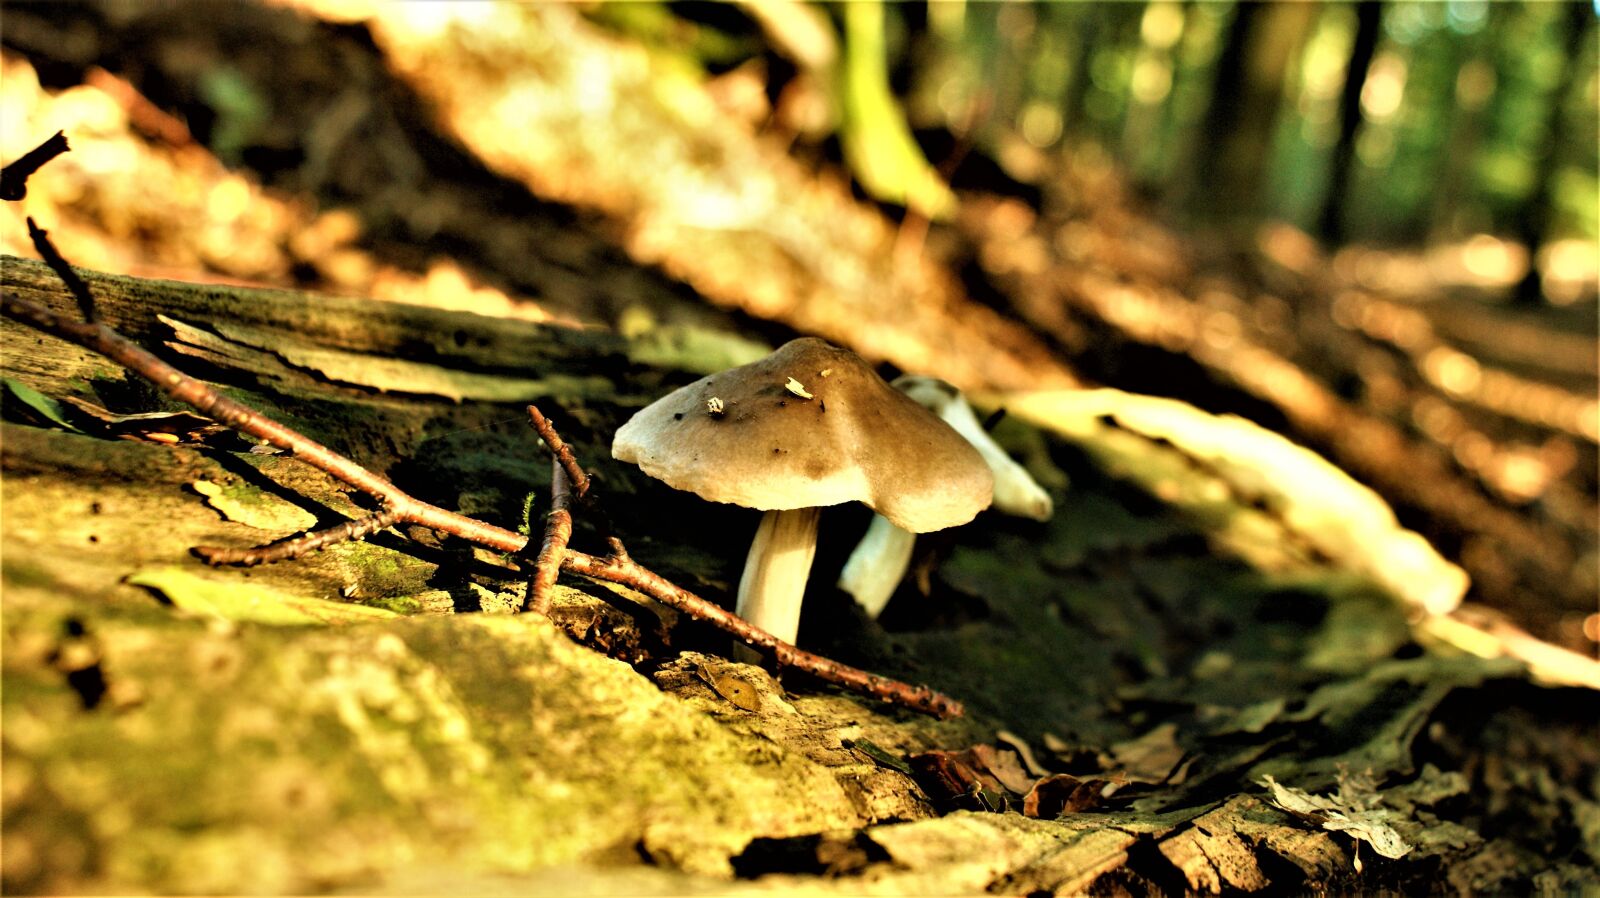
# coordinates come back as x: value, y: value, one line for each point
x: 1355, y: 810
x: 1020, y: 746
x: 731, y: 687
x: 880, y: 756
x: 1151, y: 757
x: 1061, y: 794
x: 981, y: 768
x: 1004, y: 766
x: 160, y: 427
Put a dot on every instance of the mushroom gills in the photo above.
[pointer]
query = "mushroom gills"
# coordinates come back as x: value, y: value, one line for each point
x: 775, y: 571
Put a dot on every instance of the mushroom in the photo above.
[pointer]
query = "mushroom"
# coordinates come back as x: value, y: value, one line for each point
x: 879, y: 561
x: 809, y: 426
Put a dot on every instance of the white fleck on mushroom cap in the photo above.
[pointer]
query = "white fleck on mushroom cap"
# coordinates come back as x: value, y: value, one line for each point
x: 855, y: 440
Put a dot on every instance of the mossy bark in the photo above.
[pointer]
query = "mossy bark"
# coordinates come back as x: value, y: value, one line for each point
x: 173, y: 728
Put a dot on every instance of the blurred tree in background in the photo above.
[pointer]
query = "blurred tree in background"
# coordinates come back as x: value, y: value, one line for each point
x: 1440, y: 153
x: 1380, y: 122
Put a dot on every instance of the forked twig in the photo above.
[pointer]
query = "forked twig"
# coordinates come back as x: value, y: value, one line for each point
x: 575, y: 476
x: 296, y: 547
x: 557, y: 530
x: 75, y: 284
x: 619, y: 567
x: 400, y: 507
x: 563, y: 457
x: 14, y: 177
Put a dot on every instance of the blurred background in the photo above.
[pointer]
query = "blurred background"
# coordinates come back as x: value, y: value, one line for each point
x: 1370, y: 226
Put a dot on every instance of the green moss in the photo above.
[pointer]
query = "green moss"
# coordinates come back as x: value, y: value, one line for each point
x: 480, y: 742
x: 396, y: 604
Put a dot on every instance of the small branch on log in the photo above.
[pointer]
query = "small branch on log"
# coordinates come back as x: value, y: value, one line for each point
x: 557, y: 530
x: 619, y: 567
x: 287, y: 549
x: 576, y: 477
x: 197, y: 395
x: 75, y: 284
x: 564, y: 458
x: 402, y: 508
x: 14, y: 177
x: 632, y: 574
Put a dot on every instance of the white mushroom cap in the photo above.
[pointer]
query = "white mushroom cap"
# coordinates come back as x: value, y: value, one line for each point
x: 874, y: 569
x: 1015, y: 490
x: 855, y: 439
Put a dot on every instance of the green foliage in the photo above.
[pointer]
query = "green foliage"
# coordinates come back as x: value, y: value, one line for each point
x: 37, y: 405
x: 243, y: 110
x: 655, y: 25
x: 877, y: 141
x: 1468, y: 106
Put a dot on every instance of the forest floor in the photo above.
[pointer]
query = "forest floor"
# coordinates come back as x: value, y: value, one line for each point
x: 1139, y: 672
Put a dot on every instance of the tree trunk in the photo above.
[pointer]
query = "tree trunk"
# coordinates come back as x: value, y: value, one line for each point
x: 1533, y: 223
x: 1243, y: 114
x: 1331, y: 225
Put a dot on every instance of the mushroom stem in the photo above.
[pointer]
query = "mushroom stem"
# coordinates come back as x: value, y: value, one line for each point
x: 875, y: 568
x: 877, y: 565
x: 775, y: 571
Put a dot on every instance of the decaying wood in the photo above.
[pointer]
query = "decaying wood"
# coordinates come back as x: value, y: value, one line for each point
x: 399, y: 507
x: 1125, y: 642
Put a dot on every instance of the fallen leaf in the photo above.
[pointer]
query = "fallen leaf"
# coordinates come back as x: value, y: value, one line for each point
x: 1020, y: 746
x: 1251, y: 718
x: 1151, y: 757
x: 982, y: 771
x: 946, y: 775
x: 240, y: 601
x: 46, y: 408
x: 879, y: 755
x: 735, y: 689
x: 167, y: 422
x: 1354, y: 810
x: 1062, y: 794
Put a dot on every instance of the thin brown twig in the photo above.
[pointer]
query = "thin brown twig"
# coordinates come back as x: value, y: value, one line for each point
x: 557, y: 530
x: 562, y: 452
x: 576, y: 477
x: 286, y: 549
x: 75, y: 284
x: 619, y: 567
x: 197, y: 395
x: 14, y: 177
x: 402, y: 508
x: 632, y: 574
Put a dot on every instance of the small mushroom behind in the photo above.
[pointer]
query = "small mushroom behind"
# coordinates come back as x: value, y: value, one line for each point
x: 876, y: 567
x: 809, y: 426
